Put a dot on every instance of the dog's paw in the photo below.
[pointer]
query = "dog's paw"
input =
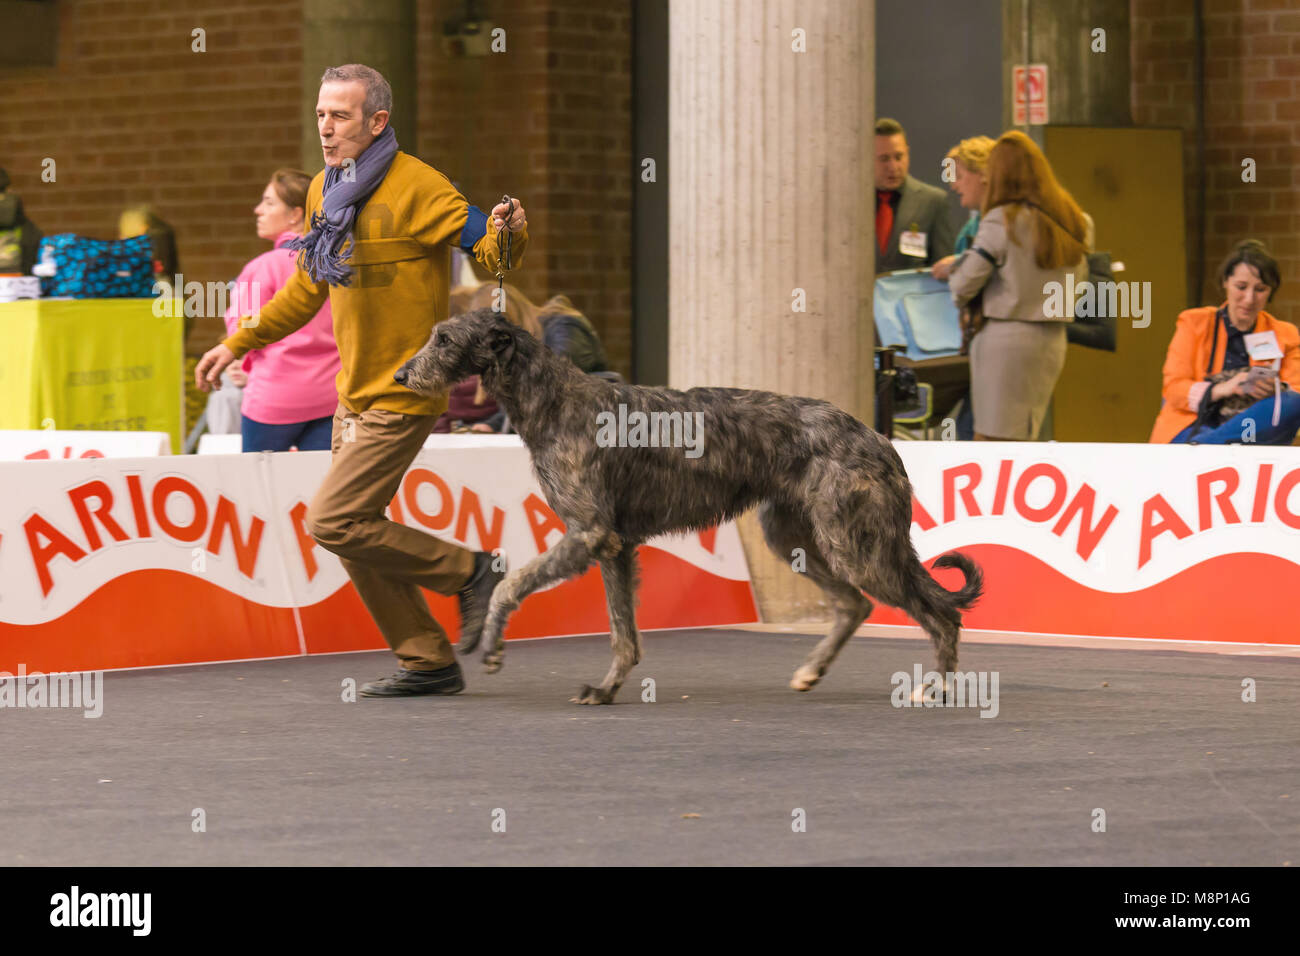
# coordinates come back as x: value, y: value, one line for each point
x: 936, y: 693
x: 593, y: 695
x: 493, y: 663
x: 805, y: 678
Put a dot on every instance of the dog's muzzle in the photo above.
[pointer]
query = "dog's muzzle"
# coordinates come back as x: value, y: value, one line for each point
x: 400, y: 375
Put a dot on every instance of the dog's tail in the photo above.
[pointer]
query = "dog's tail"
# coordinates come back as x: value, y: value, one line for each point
x: 970, y: 592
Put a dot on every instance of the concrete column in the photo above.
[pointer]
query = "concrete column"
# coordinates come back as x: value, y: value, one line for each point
x: 770, y: 195
x: 378, y: 33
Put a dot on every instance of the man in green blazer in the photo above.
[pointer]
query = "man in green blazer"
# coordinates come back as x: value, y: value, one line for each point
x: 913, y: 225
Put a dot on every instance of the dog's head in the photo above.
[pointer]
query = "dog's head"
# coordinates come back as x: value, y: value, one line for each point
x: 481, y: 342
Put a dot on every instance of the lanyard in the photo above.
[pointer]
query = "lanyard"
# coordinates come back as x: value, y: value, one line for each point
x: 503, y: 258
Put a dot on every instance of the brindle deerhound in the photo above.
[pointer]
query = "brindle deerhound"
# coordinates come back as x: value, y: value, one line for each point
x: 824, y: 483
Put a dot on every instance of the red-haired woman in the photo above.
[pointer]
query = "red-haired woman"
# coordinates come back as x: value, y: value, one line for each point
x: 1032, y: 235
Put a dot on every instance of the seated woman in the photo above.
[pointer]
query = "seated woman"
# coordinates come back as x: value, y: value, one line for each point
x: 463, y: 412
x: 141, y: 220
x: 568, y: 332
x: 560, y: 326
x: 469, y: 408
x: 1211, y: 396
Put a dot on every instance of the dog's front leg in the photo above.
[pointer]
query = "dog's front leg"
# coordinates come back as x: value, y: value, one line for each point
x: 619, y: 573
x: 570, y: 556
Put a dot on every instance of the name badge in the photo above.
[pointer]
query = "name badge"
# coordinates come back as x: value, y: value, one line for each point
x: 1262, y: 346
x: 912, y: 243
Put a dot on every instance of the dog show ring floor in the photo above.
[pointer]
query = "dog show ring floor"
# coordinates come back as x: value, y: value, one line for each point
x: 1089, y: 755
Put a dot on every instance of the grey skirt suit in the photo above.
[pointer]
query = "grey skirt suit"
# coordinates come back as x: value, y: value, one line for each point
x: 1016, y: 358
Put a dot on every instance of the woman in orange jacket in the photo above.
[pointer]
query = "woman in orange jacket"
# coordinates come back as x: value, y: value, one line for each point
x: 1209, y: 341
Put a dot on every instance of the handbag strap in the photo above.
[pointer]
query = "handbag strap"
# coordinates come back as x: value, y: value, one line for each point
x: 1219, y: 318
x: 1034, y: 205
x: 1207, y: 403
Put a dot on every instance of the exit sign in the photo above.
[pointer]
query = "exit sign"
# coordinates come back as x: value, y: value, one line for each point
x: 1029, y: 94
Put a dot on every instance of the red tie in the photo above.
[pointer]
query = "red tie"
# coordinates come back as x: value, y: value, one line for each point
x: 884, y: 218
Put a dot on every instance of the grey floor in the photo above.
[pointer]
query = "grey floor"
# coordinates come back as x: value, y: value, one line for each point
x: 712, y: 772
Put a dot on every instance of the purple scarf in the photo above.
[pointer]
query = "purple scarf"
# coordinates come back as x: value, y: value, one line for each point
x: 321, y: 251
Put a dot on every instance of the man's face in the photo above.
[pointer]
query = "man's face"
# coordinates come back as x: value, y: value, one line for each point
x: 891, y: 161
x: 344, y: 131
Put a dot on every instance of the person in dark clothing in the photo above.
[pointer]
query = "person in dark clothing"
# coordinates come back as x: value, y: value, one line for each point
x: 469, y: 408
x: 19, y: 237
x: 560, y: 326
x: 913, y: 226
x: 141, y: 220
x: 567, y: 332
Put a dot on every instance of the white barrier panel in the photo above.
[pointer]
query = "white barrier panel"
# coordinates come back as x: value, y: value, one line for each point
x: 135, y: 562
x: 472, y: 440
x: 221, y: 444
x: 233, y: 444
x: 45, y: 445
x: 146, y: 561
x: 1154, y: 541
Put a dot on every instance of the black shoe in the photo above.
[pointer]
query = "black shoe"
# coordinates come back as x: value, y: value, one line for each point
x: 475, y: 598
x: 445, y: 680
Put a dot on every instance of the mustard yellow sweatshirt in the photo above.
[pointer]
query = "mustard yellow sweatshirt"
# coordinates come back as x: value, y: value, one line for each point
x: 401, y: 264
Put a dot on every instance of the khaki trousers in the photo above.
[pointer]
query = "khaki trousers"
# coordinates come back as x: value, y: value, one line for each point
x: 387, y: 562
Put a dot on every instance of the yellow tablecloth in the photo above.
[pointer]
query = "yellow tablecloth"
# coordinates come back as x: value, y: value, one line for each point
x: 100, y: 364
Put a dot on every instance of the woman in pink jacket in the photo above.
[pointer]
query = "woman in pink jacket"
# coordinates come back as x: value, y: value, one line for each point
x: 290, y: 396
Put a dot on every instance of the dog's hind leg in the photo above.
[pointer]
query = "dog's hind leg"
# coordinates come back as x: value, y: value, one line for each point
x: 930, y: 606
x: 620, y: 577
x: 570, y: 557
x: 863, y: 528
x: 790, y: 537
x: 852, y: 607
x: 903, y: 582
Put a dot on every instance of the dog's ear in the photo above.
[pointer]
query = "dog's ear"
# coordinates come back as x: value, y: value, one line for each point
x: 501, y: 339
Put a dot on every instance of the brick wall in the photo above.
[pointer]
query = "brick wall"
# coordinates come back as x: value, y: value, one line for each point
x: 548, y: 120
x: 131, y: 115
x: 1252, y: 111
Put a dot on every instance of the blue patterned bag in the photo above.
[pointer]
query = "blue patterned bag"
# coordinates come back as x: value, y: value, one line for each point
x: 98, y: 268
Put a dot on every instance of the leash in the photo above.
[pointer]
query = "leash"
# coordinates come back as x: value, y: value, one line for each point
x: 503, y: 260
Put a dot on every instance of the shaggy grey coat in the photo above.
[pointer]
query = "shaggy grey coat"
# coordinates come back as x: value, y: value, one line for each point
x: 832, y: 493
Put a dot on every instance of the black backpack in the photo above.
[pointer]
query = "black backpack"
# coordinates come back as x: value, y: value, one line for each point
x: 1094, y: 331
x: 18, y: 237
x: 573, y: 336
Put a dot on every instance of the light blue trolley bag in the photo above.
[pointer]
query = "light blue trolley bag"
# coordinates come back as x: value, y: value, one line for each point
x: 914, y: 310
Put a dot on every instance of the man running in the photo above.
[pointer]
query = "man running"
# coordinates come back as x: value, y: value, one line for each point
x: 382, y: 223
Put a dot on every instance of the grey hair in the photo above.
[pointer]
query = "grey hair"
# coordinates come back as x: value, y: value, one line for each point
x: 379, y: 95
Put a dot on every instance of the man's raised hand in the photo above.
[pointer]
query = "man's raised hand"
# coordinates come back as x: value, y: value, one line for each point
x: 516, y: 216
